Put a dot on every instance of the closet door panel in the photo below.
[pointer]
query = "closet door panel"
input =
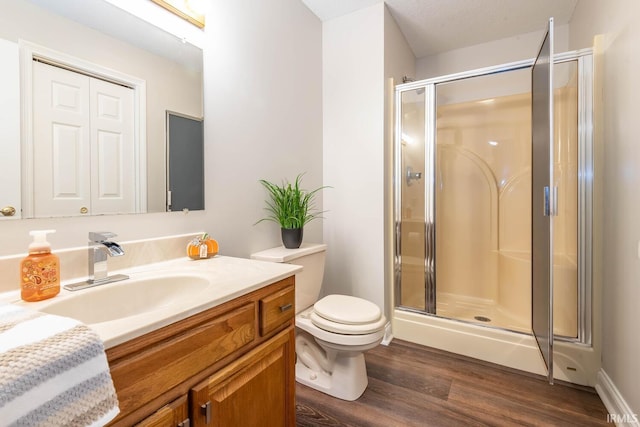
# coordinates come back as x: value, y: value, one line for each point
x: 112, y: 148
x: 61, y: 141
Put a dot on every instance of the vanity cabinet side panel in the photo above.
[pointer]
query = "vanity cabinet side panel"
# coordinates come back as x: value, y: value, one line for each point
x: 256, y: 390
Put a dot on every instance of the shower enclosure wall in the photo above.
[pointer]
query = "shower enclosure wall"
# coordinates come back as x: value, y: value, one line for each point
x: 463, y: 207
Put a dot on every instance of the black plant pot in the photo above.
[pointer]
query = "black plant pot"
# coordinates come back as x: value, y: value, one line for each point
x: 291, y: 237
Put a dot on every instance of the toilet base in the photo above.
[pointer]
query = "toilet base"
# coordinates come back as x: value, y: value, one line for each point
x: 343, y: 374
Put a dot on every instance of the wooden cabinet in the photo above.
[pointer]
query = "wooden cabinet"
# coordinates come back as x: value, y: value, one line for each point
x: 231, y: 365
x: 252, y: 391
x: 174, y: 414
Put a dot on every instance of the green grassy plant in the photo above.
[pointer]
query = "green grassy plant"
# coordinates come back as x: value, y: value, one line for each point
x: 289, y: 205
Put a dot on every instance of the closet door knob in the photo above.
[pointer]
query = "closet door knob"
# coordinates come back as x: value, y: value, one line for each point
x: 8, y: 211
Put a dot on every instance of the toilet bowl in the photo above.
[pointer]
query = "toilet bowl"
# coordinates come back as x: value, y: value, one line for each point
x: 331, y: 333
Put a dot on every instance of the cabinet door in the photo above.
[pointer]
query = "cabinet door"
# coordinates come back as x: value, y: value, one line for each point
x: 256, y: 390
x: 175, y: 414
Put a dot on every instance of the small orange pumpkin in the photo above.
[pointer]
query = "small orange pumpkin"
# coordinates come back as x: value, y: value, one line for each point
x: 212, y: 247
x: 202, y: 247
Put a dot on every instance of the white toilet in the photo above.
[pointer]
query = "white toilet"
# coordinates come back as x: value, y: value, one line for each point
x: 332, y: 333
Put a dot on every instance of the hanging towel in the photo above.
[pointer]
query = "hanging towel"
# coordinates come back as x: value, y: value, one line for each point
x: 53, y: 372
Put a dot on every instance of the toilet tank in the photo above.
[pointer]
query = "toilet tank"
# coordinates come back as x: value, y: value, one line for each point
x: 309, y: 281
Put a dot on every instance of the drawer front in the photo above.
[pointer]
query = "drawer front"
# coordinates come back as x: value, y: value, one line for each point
x: 150, y: 373
x: 174, y: 414
x: 277, y: 309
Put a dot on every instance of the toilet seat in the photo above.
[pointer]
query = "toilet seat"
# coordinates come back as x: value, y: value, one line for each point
x: 347, y: 315
x: 346, y: 329
x: 350, y: 341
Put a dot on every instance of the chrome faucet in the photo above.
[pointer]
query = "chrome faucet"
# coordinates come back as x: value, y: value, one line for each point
x: 100, y: 248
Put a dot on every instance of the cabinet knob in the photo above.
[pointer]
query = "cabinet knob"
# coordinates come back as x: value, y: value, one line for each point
x: 83, y: 210
x: 8, y: 211
x: 185, y: 423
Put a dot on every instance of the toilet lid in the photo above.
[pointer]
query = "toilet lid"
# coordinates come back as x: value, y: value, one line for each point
x: 347, y: 310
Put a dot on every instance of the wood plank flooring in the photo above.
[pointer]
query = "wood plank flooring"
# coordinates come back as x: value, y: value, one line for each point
x: 411, y: 385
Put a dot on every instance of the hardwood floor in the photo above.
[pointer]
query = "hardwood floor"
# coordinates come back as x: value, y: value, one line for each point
x: 411, y: 385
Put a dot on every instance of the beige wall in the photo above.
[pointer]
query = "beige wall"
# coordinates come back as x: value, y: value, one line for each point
x: 618, y: 21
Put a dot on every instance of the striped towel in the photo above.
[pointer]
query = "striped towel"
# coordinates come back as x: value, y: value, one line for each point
x: 53, y: 372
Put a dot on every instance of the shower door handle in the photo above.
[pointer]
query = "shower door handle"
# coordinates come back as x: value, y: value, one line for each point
x: 410, y: 175
x: 550, y: 201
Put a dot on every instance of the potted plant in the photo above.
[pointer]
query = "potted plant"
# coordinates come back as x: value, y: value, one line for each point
x: 292, y: 208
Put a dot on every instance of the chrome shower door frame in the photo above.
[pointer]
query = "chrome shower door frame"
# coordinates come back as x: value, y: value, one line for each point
x: 585, y: 184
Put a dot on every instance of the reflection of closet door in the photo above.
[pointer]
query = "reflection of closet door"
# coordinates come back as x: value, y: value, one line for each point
x: 83, y: 144
x: 10, y: 135
x: 61, y: 135
x: 112, y: 148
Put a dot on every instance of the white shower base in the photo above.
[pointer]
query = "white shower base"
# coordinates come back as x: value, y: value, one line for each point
x: 575, y: 363
x: 470, y: 309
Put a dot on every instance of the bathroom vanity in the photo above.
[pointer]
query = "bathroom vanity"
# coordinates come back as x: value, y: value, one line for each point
x: 231, y: 365
x: 195, y: 343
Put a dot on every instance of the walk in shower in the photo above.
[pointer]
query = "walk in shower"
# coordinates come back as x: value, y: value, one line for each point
x: 463, y: 177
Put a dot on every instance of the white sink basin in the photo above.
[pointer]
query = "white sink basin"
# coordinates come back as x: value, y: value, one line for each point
x: 115, y: 301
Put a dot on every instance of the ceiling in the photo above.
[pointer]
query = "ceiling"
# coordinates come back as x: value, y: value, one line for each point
x: 434, y: 26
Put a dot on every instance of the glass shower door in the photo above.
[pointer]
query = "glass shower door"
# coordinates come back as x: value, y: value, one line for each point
x: 413, y: 284
x: 543, y: 200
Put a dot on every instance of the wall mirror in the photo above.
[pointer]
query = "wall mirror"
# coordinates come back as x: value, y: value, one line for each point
x: 94, y: 54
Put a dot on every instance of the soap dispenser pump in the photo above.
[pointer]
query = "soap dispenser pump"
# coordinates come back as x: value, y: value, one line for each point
x: 40, y: 270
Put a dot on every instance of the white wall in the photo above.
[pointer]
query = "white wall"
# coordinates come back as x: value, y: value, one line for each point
x: 263, y: 119
x: 263, y: 115
x: 353, y: 157
x: 524, y: 46
x: 619, y: 23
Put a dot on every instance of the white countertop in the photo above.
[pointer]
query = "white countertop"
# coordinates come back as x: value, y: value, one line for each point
x: 229, y: 278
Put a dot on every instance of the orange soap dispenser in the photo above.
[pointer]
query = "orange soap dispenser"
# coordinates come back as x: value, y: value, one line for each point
x: 40, y: 270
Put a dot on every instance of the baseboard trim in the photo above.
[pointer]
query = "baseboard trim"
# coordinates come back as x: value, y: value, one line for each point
x: 619, y: 411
